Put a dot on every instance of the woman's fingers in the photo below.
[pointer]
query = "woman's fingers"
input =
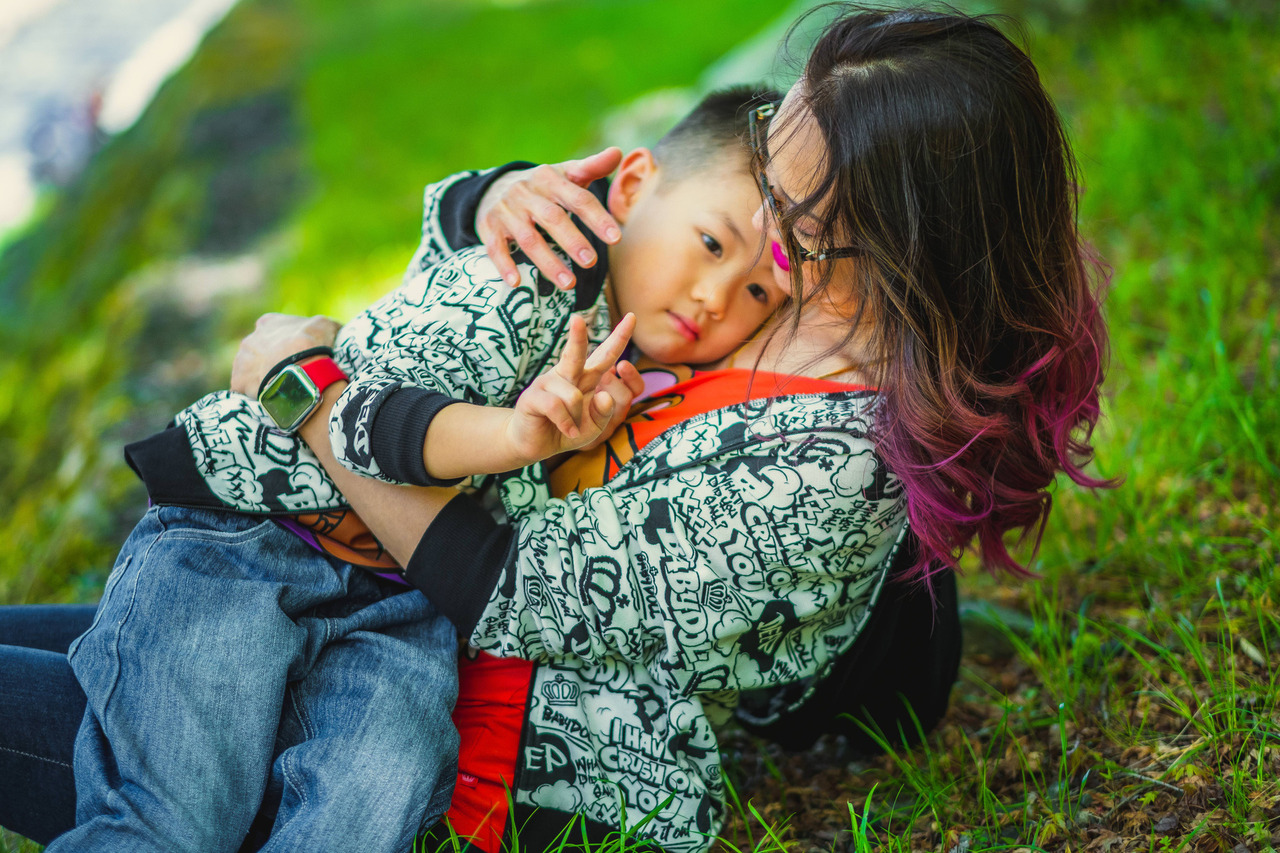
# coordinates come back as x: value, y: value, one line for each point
x: 592, y: 168
x: 518, y: 204
x: 499, y: 246
x: 561, y: 190
x: 582, y: 203
x: 274, y: 338
x: 552, y: 215
x: 525, y: 234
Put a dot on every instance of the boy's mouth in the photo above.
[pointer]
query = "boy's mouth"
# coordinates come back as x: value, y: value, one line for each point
x: 685, y: 326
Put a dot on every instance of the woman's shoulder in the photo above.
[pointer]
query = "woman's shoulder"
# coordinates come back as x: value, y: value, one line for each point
x: 792, y: 431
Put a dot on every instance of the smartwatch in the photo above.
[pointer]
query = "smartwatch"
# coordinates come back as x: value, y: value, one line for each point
x: 291, y: 391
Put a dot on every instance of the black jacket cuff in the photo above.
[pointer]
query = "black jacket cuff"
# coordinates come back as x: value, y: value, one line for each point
x: 165, y: 464
x: 459, y: 561
x: 400, y: 430
x: 459, y: 202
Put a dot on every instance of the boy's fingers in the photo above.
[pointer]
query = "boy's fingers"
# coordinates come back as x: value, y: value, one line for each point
x: 547, y: 405
x: 603, y: 407
x: 605, y: 355
x: 574, y: 355
x: 567, y: 393
x: 622, y: 397
x: 631, y: 378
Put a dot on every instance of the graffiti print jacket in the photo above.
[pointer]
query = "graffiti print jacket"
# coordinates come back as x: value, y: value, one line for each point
x: 737, y: 551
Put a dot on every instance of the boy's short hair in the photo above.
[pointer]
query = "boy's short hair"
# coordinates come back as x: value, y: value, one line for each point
x: 713, y: 130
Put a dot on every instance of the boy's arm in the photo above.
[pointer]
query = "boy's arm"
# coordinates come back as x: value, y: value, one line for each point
x: 580, y: 400
x: 455, y: 332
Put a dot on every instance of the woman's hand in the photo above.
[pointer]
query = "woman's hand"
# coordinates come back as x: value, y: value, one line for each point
x: 273, y: 339
x: 580, y: 401
x: 518, y: 203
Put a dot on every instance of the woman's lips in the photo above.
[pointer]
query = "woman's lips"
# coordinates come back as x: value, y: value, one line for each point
x: 779, y: 256
x: 685, y: 326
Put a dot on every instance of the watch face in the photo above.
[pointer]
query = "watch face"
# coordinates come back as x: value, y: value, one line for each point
x: 289, y: 397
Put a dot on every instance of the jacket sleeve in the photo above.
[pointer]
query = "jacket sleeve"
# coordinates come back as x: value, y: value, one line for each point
x: 449, y: 215
x: 750, y: 559
x: 454, y: 331
x: 458, y: 332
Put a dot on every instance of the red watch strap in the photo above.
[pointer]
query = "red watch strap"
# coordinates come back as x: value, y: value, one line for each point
x: 324, y: 372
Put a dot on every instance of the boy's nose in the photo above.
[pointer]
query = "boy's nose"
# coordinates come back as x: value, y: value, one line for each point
x: 714, y: 295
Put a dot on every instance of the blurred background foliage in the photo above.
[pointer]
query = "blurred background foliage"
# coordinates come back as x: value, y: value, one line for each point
x: 281, y: 169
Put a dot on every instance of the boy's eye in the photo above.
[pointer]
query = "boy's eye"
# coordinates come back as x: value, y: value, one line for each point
x: 713, y: 245
x: 758, y: 293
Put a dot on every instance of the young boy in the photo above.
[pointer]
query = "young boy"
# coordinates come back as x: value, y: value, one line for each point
x: 221, y: 638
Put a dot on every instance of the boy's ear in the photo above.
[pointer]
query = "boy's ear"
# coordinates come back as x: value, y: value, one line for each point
x: 637, y: 171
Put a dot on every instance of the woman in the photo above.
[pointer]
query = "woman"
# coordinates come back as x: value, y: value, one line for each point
x: 919, y: 200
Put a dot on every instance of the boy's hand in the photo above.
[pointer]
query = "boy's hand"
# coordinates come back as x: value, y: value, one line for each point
x: 580, y: 401
x: 514, y: 207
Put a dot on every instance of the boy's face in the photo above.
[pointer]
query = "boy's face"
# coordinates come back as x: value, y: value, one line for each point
x: 690, y: 265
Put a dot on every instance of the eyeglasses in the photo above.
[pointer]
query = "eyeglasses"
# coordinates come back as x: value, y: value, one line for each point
x: 757, y: 127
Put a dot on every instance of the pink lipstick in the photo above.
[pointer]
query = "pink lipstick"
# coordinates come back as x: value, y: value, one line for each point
x: 779, y: 256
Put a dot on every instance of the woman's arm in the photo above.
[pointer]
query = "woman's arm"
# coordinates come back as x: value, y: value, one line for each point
x: 582, y: 398
x: 397, y: 515
x: 732, y: 572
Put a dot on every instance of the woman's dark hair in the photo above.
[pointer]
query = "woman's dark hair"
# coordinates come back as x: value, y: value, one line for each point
x: 948, y: 166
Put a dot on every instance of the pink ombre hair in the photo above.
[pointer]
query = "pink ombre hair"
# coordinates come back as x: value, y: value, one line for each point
x: 950, y: 169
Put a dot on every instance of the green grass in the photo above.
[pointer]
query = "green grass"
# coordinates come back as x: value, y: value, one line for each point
x: 1147, y: 686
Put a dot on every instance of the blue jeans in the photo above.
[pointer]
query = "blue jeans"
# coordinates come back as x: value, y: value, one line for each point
x: 230, y: 665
